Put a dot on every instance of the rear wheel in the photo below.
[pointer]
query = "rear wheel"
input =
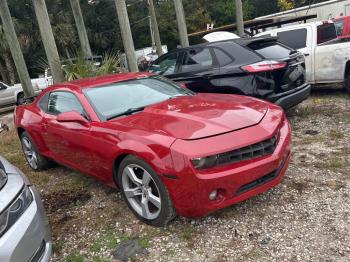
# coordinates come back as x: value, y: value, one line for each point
x: 347, y: 79
x: 144, y: 192
x: 35, y: 160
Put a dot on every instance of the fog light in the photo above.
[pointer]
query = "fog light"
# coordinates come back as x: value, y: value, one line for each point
x: 213, y: 195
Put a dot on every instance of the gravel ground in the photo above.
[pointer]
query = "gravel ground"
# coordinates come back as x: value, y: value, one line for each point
x: 305, y: 218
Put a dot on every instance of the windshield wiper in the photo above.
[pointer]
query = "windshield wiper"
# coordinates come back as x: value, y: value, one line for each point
x: 127, y: 112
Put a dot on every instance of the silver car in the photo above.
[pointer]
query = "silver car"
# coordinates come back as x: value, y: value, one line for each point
x: 24, y: 232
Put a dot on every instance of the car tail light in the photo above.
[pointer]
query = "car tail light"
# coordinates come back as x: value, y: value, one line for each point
x: 264, y: 66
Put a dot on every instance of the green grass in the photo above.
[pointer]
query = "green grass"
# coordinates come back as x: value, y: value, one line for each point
x: 75, y: 257
x: 57, y: 246
x: 333, y: 164
x: 336, y: 134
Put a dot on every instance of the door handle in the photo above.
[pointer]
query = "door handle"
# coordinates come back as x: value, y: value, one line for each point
x: 306, y: 54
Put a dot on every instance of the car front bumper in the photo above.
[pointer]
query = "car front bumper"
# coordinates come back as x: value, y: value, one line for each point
x: 29, y: 238
x: 235, y: 182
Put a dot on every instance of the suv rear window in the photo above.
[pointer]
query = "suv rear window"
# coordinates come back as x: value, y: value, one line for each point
x: 270, y: 50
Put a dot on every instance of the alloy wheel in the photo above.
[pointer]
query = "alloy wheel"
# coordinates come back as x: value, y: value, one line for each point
x: 141, y: 191
x: 30, y: 153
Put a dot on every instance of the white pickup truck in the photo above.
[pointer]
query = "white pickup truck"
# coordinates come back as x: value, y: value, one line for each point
x: 327, y: 58
x: 10, y: 95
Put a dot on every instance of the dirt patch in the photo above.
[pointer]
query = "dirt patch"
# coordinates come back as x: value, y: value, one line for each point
x: 64, y: 199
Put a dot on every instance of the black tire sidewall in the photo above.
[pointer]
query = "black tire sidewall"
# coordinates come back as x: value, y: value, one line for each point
x: 42, y: 162
x: 167, y: 211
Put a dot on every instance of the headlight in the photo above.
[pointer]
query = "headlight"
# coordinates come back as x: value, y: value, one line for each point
x: 205, y: 162
x: 10, y: 215
x: 263, y: 148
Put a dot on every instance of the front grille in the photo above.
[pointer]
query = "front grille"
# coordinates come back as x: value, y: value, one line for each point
x: 39, y: 253
x: 260, y: 149
x: 261, y: 180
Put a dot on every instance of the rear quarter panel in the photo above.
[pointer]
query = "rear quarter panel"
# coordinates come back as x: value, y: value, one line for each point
x: 29, y: 117
x: 330, y: 62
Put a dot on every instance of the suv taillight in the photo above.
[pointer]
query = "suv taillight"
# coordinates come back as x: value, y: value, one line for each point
x: 263, y: 66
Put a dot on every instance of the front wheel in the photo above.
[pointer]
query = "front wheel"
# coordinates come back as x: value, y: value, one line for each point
x: 144, y: 192
x: 35, y: 160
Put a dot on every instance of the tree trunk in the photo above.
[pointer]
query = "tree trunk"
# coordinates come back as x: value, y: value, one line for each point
x: 3, y: 73
x: 10, y: 68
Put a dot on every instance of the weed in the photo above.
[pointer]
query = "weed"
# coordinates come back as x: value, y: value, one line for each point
x: 75, y: 257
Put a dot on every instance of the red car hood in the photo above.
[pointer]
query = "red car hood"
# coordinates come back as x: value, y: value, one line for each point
x: 193, y: 117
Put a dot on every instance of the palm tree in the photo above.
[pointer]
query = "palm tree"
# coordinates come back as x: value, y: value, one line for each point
x: 6, y: 56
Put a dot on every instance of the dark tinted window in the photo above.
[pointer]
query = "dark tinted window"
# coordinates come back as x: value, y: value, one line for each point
x: 293, y: 38
x: 222, y: 57
x: 197, y: 59
x: 2, y: 86
x: 60, y: 102
x: 165, y: 65
x: 271, y: 50
x: 241, y: 55
x: 325, y: 33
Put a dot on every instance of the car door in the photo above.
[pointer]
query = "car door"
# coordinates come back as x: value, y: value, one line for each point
x: 197, y: 69
x: 68, y: 142
x: 300, y: 39
x: 166, y: 65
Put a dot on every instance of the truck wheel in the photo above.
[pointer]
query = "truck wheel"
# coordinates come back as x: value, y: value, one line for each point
x: 20, y: 99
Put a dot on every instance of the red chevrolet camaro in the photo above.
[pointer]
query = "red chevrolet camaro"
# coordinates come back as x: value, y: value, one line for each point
x: 169, y: 150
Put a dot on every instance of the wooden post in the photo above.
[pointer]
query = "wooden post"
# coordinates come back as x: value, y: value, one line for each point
x: 181, y: 23
x: 155, y: 28
x: 15, y: 49
x: 239, y: 18
x: 79, y: 22
x: 125, y: 30
x: 48, y: 40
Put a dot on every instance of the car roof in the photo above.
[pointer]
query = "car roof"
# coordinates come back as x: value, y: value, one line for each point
x: 101, y: 80
x: 239, y: 41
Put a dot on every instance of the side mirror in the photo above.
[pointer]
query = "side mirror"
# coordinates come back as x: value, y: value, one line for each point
x: 72, y: 116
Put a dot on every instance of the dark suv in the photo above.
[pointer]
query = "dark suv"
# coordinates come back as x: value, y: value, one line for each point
x: 259, y: 67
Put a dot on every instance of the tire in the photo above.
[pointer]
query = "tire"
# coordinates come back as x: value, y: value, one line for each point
x: 347, y: 84
x: 35, y: 160
x: 20, y: 99
x: 144, y: 192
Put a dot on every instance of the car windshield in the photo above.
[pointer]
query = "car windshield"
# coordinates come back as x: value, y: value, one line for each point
x: 131, y: 96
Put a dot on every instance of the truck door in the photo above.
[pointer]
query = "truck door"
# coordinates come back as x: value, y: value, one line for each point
x: 330, y: 59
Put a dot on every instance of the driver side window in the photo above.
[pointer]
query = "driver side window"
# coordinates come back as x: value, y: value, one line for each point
x: 165, y: 66
x: 60, y: 102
